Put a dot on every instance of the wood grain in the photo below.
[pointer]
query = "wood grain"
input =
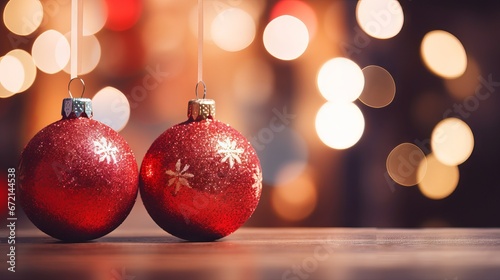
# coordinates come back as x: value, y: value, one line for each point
x: 270, y: 253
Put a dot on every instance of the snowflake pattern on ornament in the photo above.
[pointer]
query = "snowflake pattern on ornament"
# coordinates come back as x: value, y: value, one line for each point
x: 230, y: 151
x: 105, y: 150
x: 179, y: 177
x: 257, y: 176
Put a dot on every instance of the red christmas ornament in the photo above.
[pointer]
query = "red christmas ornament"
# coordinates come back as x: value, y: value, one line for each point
x: 78, y: 177
x: 201, y: 179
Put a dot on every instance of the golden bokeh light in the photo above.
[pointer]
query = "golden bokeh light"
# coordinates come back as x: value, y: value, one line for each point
x: 29, y: 68
x: 286, y: 37
x: 58, y: 16
x: 403, y: 162
x: 11, y: 73
x: 212, y: 9
x: 23, y: 17
x: 465, y: 85
x: 295, y: 200
x: 111, y: 107
x: 89, y: 54
x: 452, y: 141
x: 233, y: 30
x: 94, y: 16
x: 298, y: 9
x: 439, y: 180
x: 4, y: 93
x: 51, y: 51
x: 443, y: 54
x: 381, y: 19
x: 340, y: 79
x: 379, y: 89
x: 339, y: 125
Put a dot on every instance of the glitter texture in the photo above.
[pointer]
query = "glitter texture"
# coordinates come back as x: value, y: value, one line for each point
x: 78, y: 179
x: 201, y: 180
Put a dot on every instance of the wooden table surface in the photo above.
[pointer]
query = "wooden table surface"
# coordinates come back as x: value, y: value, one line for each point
x: 270, y: 253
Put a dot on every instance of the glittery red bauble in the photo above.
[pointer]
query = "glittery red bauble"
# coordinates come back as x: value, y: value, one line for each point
x: 200, y: 180
x: 78, y: 179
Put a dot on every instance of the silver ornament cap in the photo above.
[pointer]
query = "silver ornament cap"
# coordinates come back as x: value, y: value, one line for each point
x: 201, y: 109
x: 76, y: 107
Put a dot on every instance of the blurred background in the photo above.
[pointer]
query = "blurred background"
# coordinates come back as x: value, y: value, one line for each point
x: 364, y: 114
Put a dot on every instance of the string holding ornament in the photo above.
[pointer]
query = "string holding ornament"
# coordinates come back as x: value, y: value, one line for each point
x: 78, y: 177
x: 204, y: 89
x: 200, y: 41
x: 69, y: 86
x: 201, y: 179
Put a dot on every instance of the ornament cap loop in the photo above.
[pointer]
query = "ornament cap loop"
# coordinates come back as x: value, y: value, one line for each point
x: 69, y: 86
x: 76, y: 107
x: 204, y: 89
x: 201, y: 109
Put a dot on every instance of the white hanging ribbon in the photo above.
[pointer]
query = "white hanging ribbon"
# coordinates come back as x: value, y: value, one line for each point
x: 200, y: 41
x: 76, y: 34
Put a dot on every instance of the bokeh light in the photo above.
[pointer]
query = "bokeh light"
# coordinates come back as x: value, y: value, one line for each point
x: 233, y: 30
x: 94, y: 16
x: 452, y: 141
x: 403, y: 162
x: 23, y: 17
x: 122, y: 14
x: 212, y: 9
x: 51, y: 51
x: 439, y: 180
x: 443, y: 54
x: 379, y: 89
x: 286, y: 37
x: 340, y: 125
x: 340, y: 79
x: 295, y: 200
x: 381, y: 19
x: 298, y: 9
x: 278, y: 146
x: 465, y: 85
x: 11, y: 73
x: 28, y: 75
x: 4, y: 93
x: 111, y: 107
x: 89, y: 54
